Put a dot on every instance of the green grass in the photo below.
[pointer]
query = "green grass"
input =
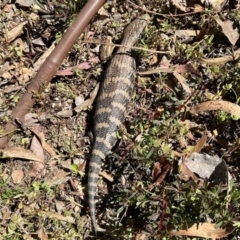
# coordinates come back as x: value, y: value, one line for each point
x: 131, y: 203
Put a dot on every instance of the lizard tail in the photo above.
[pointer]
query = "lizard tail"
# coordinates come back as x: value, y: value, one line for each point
x: 94, y: 169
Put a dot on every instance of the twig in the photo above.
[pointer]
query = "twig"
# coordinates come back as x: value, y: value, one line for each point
x: 166, y: 15
x: 50, y: 66
x: 221, y: 60
x: 138, y: 48
x: 156, y: 70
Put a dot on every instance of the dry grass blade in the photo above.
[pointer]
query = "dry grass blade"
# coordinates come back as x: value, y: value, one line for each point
x: 217, y: 105
x: 18, y: 152
x: 205, y: 230
x: 221, y: 60
x: 89, y: 101
x: 15, y: 32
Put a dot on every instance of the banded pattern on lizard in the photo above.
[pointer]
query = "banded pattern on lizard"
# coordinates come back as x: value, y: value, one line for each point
x: 112, y: 102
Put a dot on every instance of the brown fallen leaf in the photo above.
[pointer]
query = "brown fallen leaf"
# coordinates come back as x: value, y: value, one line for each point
x: 12, y: 88
x: 85, y: 65
x: 40, y: 61
x: 141, y: 236
x: 4, y: 67
x: 89, y: 101
x: 106, y: 176
x: 37, y: 169
x: 56, y: 177
x: 25, y: 3
x: 106, y: 49
x: 18, y: 152
x: 156, y: 71
x: 187, y: 125
x: 205, y: 230
x: 58, y: 216
x: 160, y: 170
x: 182, y: 81
x: 225, y: 106
x: 186, y: 68
x: 182, y: 141
x: 65, y: 113
x: 178, y: 154
x: 180, y: 4
x: 221, y: 60
x: 24, y: 75
x: 41, y: 234
x: 186, y: 173
x: 60, y: 206
x: 200, y: 144
x: 179, y: 68
x: 45, y: 145
x: 190, y: 36
x: 16, y: 31
x: 8, y: 8
x: 82, y: 166
x: 217, y: 5
x: 17, y: 176
x: 229, y: 32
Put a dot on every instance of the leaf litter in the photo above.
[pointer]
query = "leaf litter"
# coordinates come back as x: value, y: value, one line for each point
x: 167, y: 91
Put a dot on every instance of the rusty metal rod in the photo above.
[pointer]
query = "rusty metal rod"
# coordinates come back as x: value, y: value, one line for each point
x: 50, y: 66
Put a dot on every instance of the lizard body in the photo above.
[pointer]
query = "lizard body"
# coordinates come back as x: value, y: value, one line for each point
x: 112, y: 102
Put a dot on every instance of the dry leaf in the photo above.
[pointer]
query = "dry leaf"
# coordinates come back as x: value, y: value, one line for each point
x: 186, y: 35
x: 56, y: 176
x: 16, y: 31
x: 180, y: 4
x: 160, y: 170
x: 41, y: 234
x: 221, y: 60
x: 187, y: 173
x: 25, y: 3
x: 187, y: 125
x: 141, y: 236
x: 41, y: 60
x: 8, y: 7
x: 178, y: 154
x: 182, y: 141
x: 37, y: 169
x: 237, y: 4
x: 65, y: 113
x: 106, y: 49
x: 81, y: 165
x: 85, y: 65
x: 58, y: 216
x: 12, y: 89
x: 200, y: 144
x: 45, y: 145
x: 225, y: 106
x: 7, y: 75
x: 153, y: 60
x: 23, y: 78
x: 106, y: 176
x: 229, y: 32
x: 103, y: 12
x: 89, y: 101
x: 79, y: 100
x: 17, y: 176
x: 60, y: 206
x: 216, y: 4
x: 4, y: 67
x: 205, y: 230
x: 18, y: 152
x: 182, y: 81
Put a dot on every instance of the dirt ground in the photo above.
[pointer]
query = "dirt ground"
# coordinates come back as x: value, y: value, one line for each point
x: 186, y: 100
